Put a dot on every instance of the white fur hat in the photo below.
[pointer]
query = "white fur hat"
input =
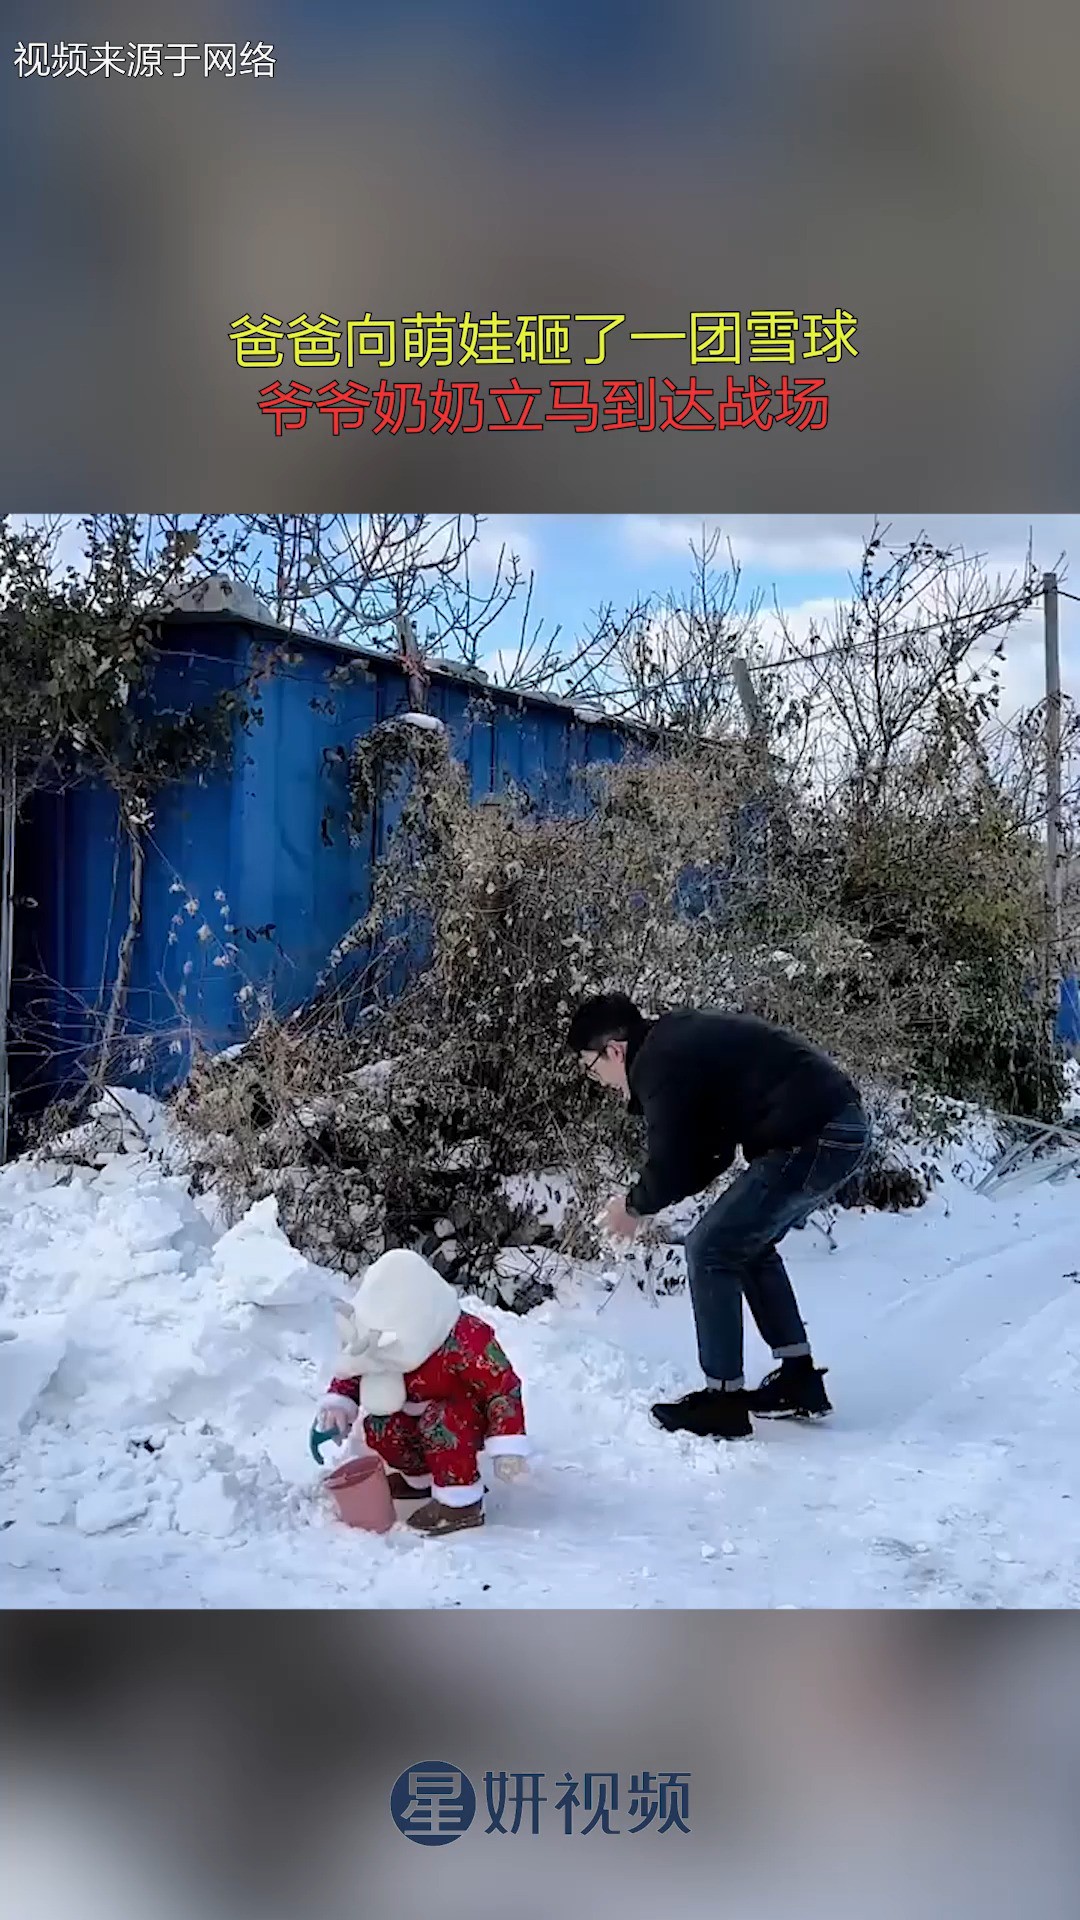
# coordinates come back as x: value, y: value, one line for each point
x: 402, y: 1313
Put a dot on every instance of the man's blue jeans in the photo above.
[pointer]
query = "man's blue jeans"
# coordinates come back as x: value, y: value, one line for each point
x: 731, y: 1252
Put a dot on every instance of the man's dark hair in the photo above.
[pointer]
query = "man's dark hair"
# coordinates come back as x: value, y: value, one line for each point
x: 610, y: 1016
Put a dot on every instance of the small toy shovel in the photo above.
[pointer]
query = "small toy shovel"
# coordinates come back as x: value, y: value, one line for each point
x: 318, y: 1439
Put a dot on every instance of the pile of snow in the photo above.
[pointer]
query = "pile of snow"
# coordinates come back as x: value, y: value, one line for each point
x: 144, y: 1360
x: 158, y: 1375
x: 121, y: 1121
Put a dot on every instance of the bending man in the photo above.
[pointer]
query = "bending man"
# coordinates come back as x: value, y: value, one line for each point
x: 707, y: 1083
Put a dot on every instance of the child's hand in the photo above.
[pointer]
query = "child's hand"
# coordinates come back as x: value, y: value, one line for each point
x: 334, y: 1419
x: 510, y: 1466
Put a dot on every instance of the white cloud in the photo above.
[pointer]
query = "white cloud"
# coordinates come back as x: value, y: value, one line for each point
x: 791, y: 544
x: 495, y: 534
x: 796, y: 623
x: 832, y: 543
x: 502, y: 666
x: 1023, y: 677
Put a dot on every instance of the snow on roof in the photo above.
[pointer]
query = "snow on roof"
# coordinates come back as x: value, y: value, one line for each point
x: 222, y: 594
x: 457, y: 669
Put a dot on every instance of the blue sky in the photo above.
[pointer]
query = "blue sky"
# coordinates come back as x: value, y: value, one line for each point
x: 581, y: 561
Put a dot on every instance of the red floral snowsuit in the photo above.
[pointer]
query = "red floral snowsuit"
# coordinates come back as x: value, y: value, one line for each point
x: 465, y: 1397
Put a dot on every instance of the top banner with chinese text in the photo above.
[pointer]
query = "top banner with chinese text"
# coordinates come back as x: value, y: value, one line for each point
x: 540, y: 259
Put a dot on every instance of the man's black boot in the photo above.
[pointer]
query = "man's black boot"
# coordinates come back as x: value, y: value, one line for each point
x: 795, y: 1390
x: 710, y: 1413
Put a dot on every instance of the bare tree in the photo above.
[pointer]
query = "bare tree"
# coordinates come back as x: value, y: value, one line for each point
x: 1015, y: 752
x: 921, y: 640
x: 354, y: 577
x: 667, y: 661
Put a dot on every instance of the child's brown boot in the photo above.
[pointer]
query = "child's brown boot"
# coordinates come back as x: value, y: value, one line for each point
x: 436, y: 1518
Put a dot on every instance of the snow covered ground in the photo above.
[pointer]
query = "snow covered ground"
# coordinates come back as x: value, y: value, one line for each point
x: 158, y: 1377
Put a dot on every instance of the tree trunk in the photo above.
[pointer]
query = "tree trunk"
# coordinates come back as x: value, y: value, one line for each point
x: 126, y: 953
x: 415, y: 678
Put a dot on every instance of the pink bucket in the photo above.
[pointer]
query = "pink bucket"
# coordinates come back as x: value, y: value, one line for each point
x: 361, y: 1494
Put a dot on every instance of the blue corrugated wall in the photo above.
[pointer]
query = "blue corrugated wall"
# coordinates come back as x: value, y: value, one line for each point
x: 260, y: 846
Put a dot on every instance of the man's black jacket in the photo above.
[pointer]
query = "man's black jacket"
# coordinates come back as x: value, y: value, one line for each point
x: 707, y: 1083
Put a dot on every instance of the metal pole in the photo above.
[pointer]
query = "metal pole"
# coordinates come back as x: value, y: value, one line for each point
x: 772, y: 814
x: 1054, y: 868
x: 744, y: 687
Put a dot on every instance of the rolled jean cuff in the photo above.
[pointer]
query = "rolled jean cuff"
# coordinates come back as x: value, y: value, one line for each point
x: 726, y: 1386
x: 800, y: 1351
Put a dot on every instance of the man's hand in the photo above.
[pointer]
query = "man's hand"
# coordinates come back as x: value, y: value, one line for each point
x: 618, y: 1220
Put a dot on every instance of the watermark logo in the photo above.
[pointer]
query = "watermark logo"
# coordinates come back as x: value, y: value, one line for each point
x: 433, y: 1803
